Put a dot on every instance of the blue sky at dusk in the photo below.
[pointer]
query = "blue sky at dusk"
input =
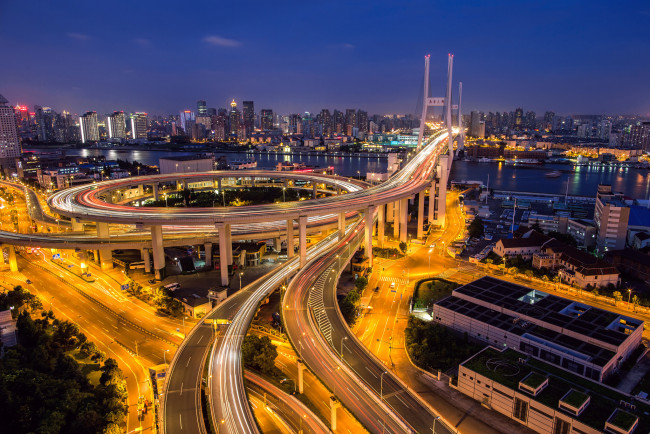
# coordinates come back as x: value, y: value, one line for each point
x: 161, y: 56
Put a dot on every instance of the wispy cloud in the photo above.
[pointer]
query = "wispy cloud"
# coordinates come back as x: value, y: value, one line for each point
x: 344, y: 46
x: 142, y: 42
x: 219, y: 41
x: 78, y: 36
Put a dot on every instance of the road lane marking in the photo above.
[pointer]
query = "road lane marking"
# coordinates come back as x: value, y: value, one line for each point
x: 188, y: 361
x: 373, y: 374
x: 180, y: 420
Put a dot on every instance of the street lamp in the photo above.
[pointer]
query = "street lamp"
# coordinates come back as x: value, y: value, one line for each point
x: 184, y: 318
x: 165, y: 356
x: 240, y: 276
x: 344, y: 338
x: 629, y: 294
x: 284, y: 199
x: 435, y: 419
x: 381, y: 385
x: 339, y: 259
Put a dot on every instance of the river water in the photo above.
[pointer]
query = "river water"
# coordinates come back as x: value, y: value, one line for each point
x: 581, y: 180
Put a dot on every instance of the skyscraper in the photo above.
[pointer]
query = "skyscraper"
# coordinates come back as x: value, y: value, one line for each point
x: 266, y: 119
x: 350, y: 121
x: 548, y: 121
x: 139, y: 125
x: 249, y: 117
x: 185, y: 120
x: 519, y: 118
x: 339, y: 122
x: 88, y: 127
x: 44, y: 123
x: 326, y: 122
x: 201, y: 109
x: 362, y: 121
x: 9, y: 143
x: 116, y: 126
x: 234, y: 118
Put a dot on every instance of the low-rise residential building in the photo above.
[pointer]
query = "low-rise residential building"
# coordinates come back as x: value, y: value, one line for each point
x: 513, y: 247
x: 548, y: 399
x: 583, y: 231
x: 585, y: 340
x: 7, y: 329
x: 639, y: 240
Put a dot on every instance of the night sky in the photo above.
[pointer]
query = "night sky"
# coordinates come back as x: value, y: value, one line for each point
x: 589, y: 57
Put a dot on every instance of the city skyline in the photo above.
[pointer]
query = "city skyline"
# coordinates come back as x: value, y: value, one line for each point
x: 75, y: 60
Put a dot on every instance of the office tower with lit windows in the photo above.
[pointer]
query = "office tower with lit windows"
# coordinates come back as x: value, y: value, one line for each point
x: 9, y: 143
x: 234, y: 118
x: 44, y: 123
x: 350, y: 121
x: 611, y: 217
x: 201, y: 108
x: 339, y: 122
x: 185, y: 121
x: 266, y: 119
x: 325, y: 119
x: 519, y: 118
x: 116, y: 125
x: 219, y: 125
x: 362, y: 121
x: 88, y: 127
x: 248, y: 112
x: 139, y: 125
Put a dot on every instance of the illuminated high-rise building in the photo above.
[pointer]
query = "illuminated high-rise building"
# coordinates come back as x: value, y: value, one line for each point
x: 234, y: 118
x: 266, y: 119
x: 519, y: 118
x: 248, y: 112
x: 185, y: 120
x: 339, y: 121
x: 9, y: 143
x: 350, y: 121
x: 88, y: 127
x: 116, y: 125
x: 201, y: 108
x: 326, y: 121
x: 139, y: 125
x: 362, y: 121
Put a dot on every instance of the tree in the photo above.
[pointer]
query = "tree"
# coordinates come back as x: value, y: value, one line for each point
x: 617, y: 297
x: 536, y: 227
x: 565, y: 238
x: 403, y: 247
x: 636, y: 301
x: 476, y: 228
x: 259, y: 353
x: 361, y: 283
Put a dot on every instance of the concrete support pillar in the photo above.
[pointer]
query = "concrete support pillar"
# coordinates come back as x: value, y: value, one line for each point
x: 219, y: 185
x: 140, y: 190
x: 370, y: 223
x: 223, y: 254
x: 185, y: 184
x: 341, y: 225
x: 285, y: 183
x: 432, y: 201
x: 155, y: 191
x: 290, y: 238
x: 147, y: 260
x: 442, y: 189
x: 381, y: 225
x: 301, y: 370
x: 338, y: 190
x: 208, y: 255
x: 106, y: 259
x: 390, y: 212
x: 403, y: 220
x: 158, y: 252
x: 314, y: 191
x: 277, y: 244
x: 102, y: 230
x: 252, y: 181
x: 334, y: 404
x: 396, y: 220
x: 229, y: 243
x: 13, y: 264
x: 77, y: 226
x: 420, y: 231
x: 302, y: 240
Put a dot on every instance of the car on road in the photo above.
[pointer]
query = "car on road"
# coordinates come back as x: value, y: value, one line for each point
x: 28, y: 282
x: 377, y: 289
